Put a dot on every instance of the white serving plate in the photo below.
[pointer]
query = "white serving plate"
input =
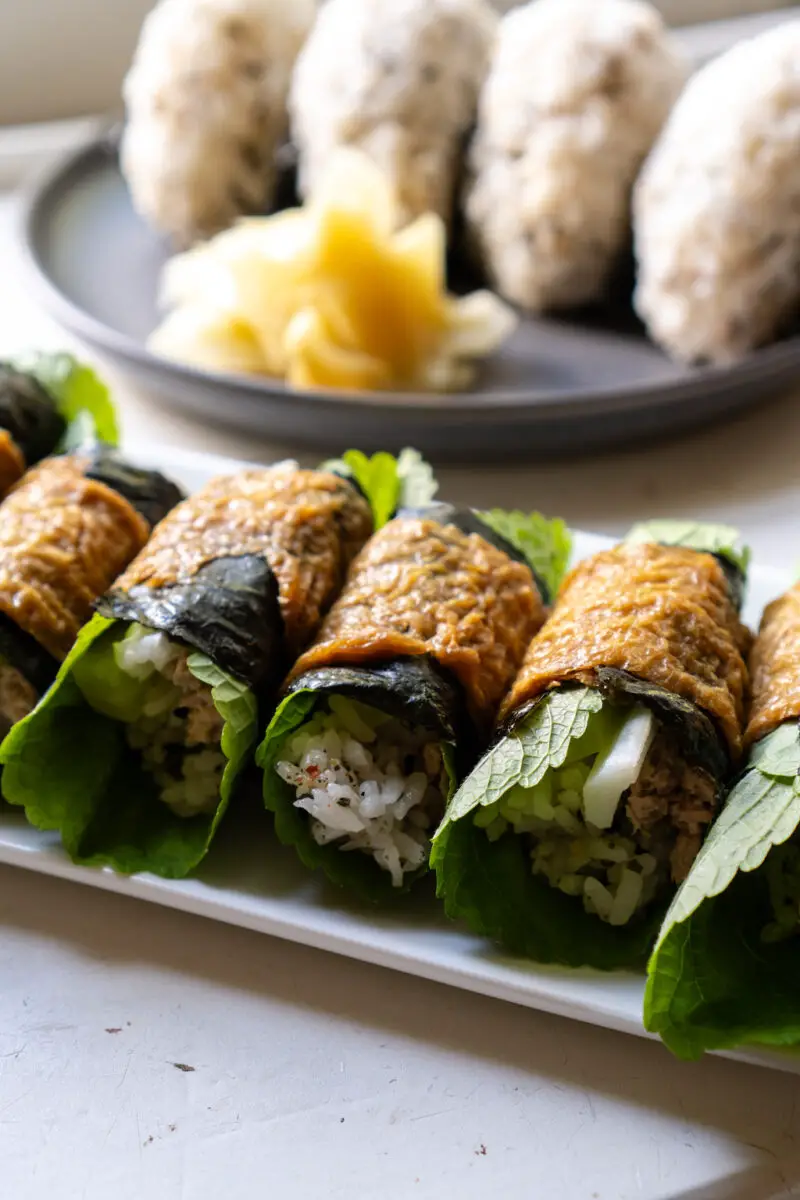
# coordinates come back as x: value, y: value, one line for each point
x: 251, y: 881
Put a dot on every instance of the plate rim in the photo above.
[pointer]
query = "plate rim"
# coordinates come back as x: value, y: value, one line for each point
x: 770, y: 362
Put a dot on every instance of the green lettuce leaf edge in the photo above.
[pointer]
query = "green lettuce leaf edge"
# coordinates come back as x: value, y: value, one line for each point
x: 80, y: 395
x: 62, y: 762
x: 694, y: 535
x: 687, y: 985
x: 388, y: 482
x: 545, y: 542
x: 489, y: 884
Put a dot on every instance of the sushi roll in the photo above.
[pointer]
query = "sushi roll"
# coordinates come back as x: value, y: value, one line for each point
x: 717, y: 206
x: 576, y: 95
x: 384, y: 710
x: 66, y: 531
x: 399, y: 80
x: 206, y: 110
x: 615, y: 742
x: 164, y: 682
x: 726, y: 970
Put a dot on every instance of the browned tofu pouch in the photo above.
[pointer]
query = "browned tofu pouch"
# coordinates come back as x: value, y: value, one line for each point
x: 726, y: 969
x: 775, y: 667
x: 245, y: 569
x: 425, y: 589
x: 614, y: 746
x: 398, y: 693
x: 67, y: 530
x: 663, y: 614
x: 12, y: 462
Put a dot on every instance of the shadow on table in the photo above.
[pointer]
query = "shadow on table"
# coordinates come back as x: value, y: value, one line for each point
x: 753, y: 1183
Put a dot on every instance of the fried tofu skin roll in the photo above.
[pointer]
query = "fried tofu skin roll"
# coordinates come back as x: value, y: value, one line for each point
x: 400, y: 687
x: 615, y: 745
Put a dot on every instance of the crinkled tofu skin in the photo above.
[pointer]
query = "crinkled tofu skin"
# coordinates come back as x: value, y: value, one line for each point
x: 717, y: 207
x: 577, y: 92
x: 775, y: 668
x: 402, y: 682
x: 664, y: 614
x: 165, y: 681
x: 206, y: 100
x: 615, y: 742
x: 399, y: 80
x: 67, y: 530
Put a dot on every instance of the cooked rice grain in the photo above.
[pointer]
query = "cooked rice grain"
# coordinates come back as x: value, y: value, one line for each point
x: 368, y: 782
x: 178, y: 734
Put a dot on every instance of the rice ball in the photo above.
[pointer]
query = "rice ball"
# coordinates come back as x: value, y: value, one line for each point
x: 399, y: 80
x: 576, y: 95
x: 717, y: 207
x: 206, y: 100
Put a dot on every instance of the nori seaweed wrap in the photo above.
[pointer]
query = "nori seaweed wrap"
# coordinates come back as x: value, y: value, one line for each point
x: 164, y: 683
x: 39, y: 400
x: 614, y: 745
x: 402, y: 684
x: 726, y: 969
x: 30, y: 424
x: 67, y: 530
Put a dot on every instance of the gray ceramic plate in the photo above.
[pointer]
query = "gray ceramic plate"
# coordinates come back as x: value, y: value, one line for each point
x: 557, y: 388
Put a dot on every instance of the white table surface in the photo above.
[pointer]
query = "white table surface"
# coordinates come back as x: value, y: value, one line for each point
x: 148, y: 1054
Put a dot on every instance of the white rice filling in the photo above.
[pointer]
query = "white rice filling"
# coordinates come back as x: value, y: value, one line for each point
x: 369, y: 783
x: 178, y: 733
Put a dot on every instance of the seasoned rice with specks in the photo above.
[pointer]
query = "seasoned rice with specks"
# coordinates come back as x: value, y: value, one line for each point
x: 369, y: 783
x: 179, y: 732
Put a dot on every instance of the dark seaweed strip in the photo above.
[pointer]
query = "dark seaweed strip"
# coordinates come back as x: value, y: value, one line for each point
x: 149, y: 492
x: 413, y: 689
x: 468, y: 521
x: 29, y: 414
x: 24, y: 653
x: 735, y: 579
x: 229, y: 610
x: 698, y: 736
x: 343, y: 472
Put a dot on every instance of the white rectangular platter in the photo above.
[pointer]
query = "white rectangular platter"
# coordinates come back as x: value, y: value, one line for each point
x: 251, y: 881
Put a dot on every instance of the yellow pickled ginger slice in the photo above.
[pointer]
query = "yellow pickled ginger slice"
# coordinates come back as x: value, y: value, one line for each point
x: 331, y: 295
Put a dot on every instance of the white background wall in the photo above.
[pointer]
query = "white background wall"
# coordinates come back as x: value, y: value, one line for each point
x: 64, y: 58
